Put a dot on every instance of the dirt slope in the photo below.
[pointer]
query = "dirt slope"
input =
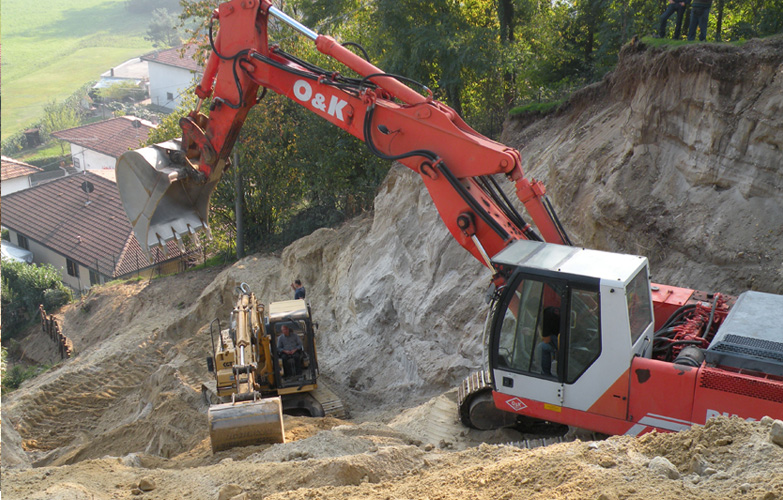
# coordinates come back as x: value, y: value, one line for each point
x: 694, y: 181
x: 676, y: 155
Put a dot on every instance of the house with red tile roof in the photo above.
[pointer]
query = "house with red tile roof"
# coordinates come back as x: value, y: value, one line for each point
x: 172, y: 72
x: 77, y: 224
x: 15, y: 175
x: 98, y: 145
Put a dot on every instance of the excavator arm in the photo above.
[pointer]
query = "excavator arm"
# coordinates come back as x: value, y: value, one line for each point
x: 166, y: 188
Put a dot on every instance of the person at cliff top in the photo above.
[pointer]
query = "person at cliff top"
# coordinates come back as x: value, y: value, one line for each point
x: 674, y: 6
x: 700, y: 14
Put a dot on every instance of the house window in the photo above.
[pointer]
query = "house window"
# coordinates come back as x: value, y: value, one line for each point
x: 22, y: 241
x: 169, y: 96
x: 95, y: 278
x: 6, y: 235
x: 76, y: 163
x: 72, y: 267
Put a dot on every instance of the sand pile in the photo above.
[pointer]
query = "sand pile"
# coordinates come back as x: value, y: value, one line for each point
x: 724, y: 459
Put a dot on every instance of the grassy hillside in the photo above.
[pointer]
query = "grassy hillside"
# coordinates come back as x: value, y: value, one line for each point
x: 52, y: 48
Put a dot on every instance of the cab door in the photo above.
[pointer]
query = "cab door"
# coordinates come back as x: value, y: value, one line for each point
x: 524, y: 360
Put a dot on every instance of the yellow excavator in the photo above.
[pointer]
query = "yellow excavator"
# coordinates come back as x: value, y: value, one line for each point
x: 259, y: 376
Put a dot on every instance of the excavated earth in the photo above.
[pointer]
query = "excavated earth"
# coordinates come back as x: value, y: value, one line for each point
x: 675, y: 155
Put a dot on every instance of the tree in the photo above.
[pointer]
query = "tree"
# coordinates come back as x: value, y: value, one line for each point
x: 162, y: 31
x: 60, y: 117
x: 24, y: 288
x: 121, y: 91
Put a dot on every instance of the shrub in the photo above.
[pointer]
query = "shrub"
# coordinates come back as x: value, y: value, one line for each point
x: 15, y: 376
x: 24, y: 288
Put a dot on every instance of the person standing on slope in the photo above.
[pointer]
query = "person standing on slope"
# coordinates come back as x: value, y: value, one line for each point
x: 299, y: 290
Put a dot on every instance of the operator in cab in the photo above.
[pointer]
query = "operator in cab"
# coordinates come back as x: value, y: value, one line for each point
x: 549, y: 335
x: 289, y: 347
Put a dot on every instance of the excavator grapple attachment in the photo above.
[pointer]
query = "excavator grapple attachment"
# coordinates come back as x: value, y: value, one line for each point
x: 162, y: 195
x: 246, y: 423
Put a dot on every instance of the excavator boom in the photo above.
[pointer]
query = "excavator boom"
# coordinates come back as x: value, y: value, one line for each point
x: 166, y: 188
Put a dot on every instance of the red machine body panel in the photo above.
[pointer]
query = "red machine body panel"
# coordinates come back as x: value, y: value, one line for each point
x: 725, y: 392
x: 661, y: 388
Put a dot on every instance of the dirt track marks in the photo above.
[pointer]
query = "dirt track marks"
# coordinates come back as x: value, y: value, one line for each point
x: 70, y: 408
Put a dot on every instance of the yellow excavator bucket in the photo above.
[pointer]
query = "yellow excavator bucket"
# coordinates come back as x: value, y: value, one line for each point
x: 246, y: 423
x: 162, y: 199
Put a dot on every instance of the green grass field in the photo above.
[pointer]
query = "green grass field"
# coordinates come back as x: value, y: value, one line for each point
x: 50, y: 49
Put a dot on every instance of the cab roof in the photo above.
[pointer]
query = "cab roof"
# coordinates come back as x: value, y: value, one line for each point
x: 287, y: 309
x: 554, y: 259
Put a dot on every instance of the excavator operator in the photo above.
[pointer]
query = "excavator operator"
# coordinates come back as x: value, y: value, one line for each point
x: 549, y: 338
x: 289, y: 347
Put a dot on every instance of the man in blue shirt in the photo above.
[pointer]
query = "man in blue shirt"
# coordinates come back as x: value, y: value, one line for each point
x: 299, y: 290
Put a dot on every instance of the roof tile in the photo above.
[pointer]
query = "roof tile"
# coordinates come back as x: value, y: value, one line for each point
x: 175, y: 57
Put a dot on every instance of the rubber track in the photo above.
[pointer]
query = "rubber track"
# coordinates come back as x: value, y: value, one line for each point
x: 473, y: 384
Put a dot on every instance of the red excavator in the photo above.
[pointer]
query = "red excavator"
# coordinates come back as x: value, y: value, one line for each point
x: 575, y: 336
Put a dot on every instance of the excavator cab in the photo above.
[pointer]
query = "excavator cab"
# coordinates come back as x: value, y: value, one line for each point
x: 296, y: 376
x: 296, y: 369
x: 561, y: 326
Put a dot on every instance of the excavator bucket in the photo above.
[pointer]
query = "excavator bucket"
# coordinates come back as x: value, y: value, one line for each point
x: 246, y: 423
x: 162, y: 201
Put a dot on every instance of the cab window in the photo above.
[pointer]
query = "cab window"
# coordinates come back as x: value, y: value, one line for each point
x: 584, y: 334
x: 548, y: 330
x: 637, y: 295
x: 528, y: 337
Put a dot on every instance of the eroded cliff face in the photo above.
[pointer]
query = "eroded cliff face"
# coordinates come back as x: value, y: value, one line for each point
x: 676, y: 155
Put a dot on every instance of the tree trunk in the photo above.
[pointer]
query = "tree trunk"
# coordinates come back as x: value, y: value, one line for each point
x: 506, y: 17
x: 719, y: 24
x: 452, y: 94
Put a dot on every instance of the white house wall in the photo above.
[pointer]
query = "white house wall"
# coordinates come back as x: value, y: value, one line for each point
x: 45, y: 255
x: 15, y: 184
x: 88, y: 159
x: 164, y: 80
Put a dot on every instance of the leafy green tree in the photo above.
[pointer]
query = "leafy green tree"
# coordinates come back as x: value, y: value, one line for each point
x: 60, y: 116
x: 121, y: 91
x: 162, y: 31
x: 24, y: 288
x: 439, y: 43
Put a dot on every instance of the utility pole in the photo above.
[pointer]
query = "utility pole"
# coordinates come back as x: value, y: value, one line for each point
x: 239, y: 198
